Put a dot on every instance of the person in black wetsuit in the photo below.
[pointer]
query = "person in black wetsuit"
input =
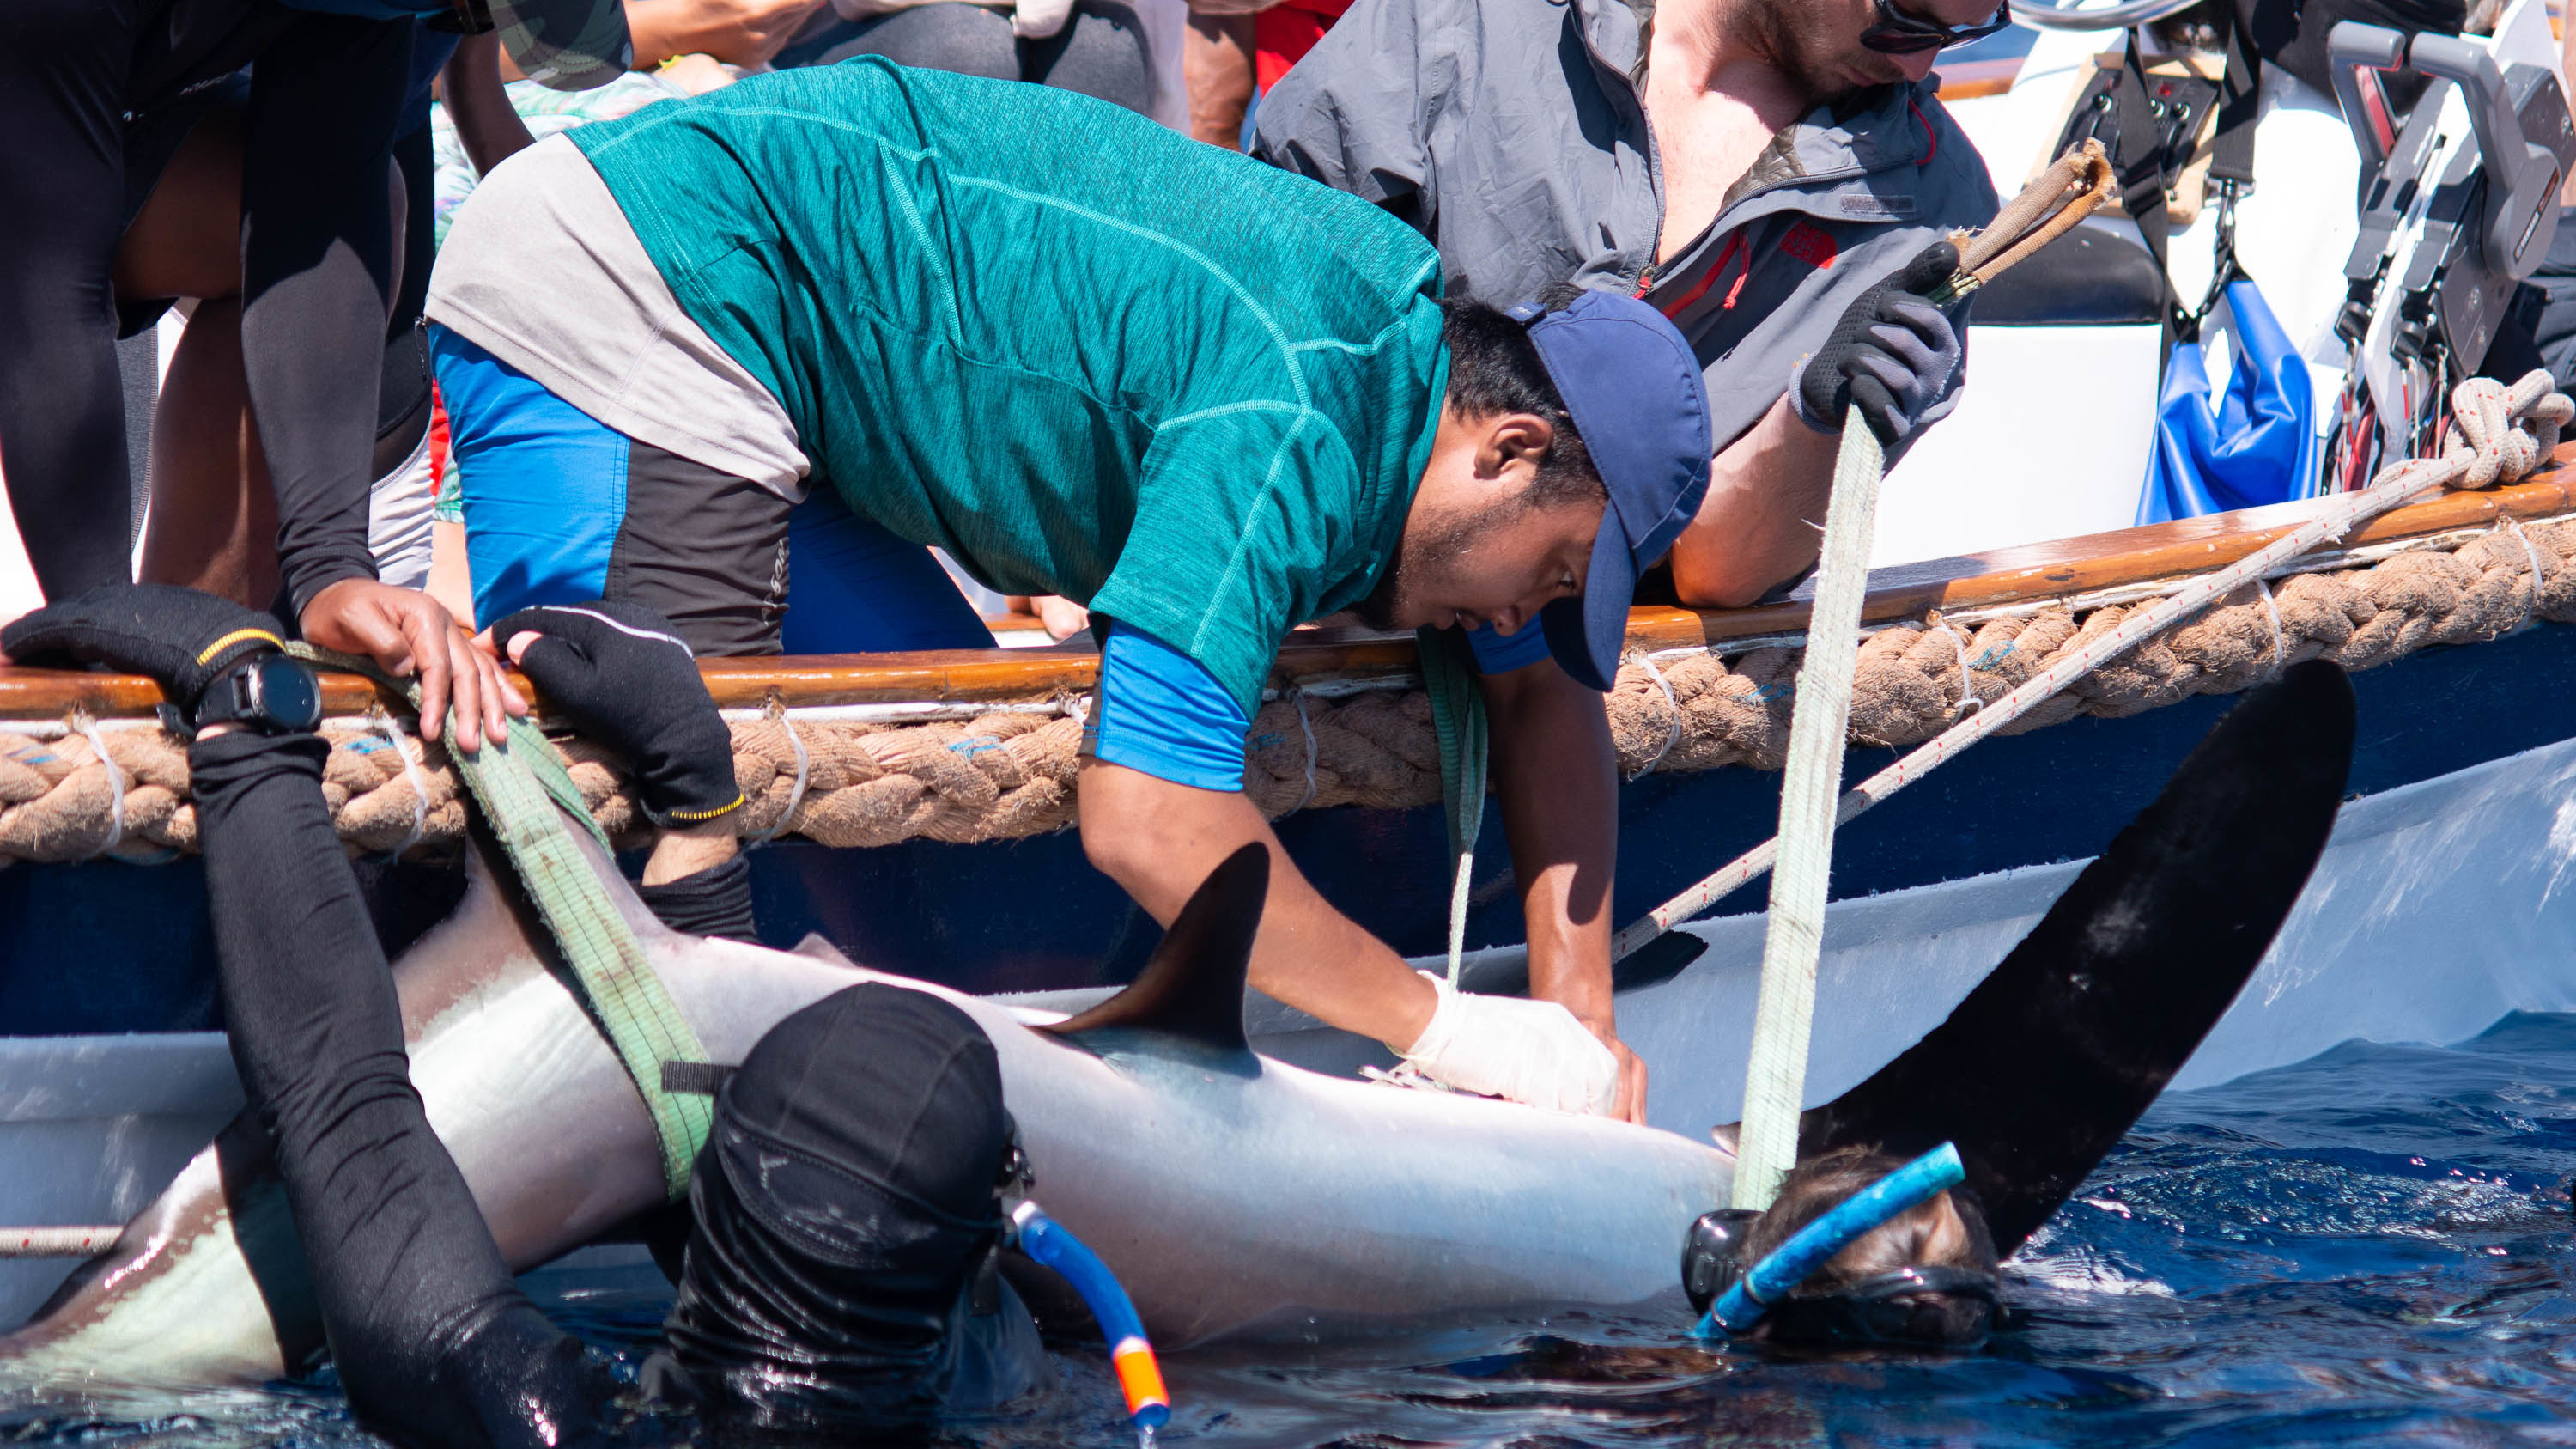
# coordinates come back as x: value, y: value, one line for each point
x: 96, y: 98
x: 844, y: 1215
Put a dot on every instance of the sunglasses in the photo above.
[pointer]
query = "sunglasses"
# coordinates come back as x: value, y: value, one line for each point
x: 1897, y: 33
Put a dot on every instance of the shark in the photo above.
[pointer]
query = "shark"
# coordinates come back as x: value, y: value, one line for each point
x: 1234, y: 1194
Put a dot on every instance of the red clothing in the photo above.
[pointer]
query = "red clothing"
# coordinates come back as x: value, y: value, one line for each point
x: 1282, y: 34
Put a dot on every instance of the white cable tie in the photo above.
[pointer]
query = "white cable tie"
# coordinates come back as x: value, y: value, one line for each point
x: 384, y: 725
x: 115, y: 785
x: 1672, y: 726
x: 2530, y: 610
x: 795, y: 791
x: 2280, y: 641
x: 1968, y: 701
x: 1297, y: 697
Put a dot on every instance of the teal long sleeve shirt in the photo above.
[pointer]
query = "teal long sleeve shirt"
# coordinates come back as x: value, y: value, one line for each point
x: 1082, y: 353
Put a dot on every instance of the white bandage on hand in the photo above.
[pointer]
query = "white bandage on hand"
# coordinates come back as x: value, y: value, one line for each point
x: 1503, y: 1046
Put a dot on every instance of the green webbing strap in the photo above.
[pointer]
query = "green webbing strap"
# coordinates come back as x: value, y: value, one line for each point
x: 1458, y: 721
x: 524, y: 793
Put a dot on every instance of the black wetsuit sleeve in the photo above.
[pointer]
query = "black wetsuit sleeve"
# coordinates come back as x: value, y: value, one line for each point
x: 63, y: 70
x: 317, y: 255
x: 714, y: 902
x: 434, y: 1343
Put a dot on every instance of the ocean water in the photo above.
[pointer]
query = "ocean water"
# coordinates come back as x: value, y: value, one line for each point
x: 2370, y: 1247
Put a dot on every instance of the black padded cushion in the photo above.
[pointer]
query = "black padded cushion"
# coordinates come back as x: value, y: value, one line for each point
x: 2090, y: 277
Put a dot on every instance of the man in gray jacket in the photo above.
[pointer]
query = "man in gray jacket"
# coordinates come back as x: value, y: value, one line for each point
x: 1757, y: 169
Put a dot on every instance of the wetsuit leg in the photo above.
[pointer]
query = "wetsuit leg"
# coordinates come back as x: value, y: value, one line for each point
x: 1101, y: 52
x: 63, y: 67
x: 431, y: 1336
x: 948, y: 35
x: 844, y: 1205
x: 317, y: 258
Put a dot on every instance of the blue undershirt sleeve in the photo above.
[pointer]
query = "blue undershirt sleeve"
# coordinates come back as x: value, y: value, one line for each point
x: 1498, y: 653
x: 1160, y: 711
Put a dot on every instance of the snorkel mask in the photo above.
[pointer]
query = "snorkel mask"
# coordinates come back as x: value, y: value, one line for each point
x: 1912, y: 1307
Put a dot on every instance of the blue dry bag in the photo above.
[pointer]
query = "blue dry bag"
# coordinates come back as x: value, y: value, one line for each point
x: 2257, y: 445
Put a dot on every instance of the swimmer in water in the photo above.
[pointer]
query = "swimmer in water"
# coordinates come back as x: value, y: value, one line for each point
x: 841, y: 1233
x: 1925, y: 1278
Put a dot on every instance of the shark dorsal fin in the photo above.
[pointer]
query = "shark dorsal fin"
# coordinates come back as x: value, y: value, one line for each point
x: 1193, y: 985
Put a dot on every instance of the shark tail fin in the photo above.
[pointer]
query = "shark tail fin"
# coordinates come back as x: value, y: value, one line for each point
x: 2054, y: 1056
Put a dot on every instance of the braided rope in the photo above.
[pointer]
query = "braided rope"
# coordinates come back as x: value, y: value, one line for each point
x: 870, y: 784
x: 873, y: 784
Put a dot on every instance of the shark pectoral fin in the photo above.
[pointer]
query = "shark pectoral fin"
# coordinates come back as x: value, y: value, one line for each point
x: 1192, y: 987
x: 2054, y: 1056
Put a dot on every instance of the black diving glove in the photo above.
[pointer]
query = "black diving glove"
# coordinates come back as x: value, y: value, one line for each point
x: 1891, y: 356
x: 183, y: 639
x: 620, y: 672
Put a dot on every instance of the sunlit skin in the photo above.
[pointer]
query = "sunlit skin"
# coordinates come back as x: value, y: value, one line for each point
x: 1722, y: 78
x: 1553, y: 771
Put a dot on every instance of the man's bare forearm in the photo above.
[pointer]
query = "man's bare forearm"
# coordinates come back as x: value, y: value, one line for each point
x: 1764, y: 515
x: 1557, y: 780
x: 1159, y: 841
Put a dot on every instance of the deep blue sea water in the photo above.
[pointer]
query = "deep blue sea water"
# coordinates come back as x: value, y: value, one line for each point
x: 2371, y: 1247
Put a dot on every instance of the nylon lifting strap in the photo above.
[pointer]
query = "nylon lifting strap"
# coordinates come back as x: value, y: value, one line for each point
x: 1449, y: 678
x: 1811, y: 786
x: 525, y: 795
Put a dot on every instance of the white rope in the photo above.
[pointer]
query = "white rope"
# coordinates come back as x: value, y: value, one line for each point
x: 1298, y: 698
x: 383, y: 725
x: 804, y: 772
x: 115, y: 786
x: 1673, y: 722
x: 2280, y: 641
x: 1775, y: 1076
x: 2395, y: 485
x: 57, y: 1242
x: 2530, y: 607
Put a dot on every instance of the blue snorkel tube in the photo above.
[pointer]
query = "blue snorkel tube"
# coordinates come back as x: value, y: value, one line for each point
x: 1767, y: 1282
x: 1140, y: 1376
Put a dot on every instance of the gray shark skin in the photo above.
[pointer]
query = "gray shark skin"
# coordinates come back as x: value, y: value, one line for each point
x: 1224, y: 1189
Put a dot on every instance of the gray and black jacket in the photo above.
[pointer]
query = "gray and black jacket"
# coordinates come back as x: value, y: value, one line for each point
x: 1513, y: 133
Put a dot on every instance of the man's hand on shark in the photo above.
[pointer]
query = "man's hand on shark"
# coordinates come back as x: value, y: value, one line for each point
x: 1629, y: 1105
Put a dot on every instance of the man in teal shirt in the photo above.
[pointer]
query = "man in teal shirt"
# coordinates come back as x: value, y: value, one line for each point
x: 1084, y: 356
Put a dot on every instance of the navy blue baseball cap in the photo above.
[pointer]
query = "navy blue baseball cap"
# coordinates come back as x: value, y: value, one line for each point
x: 1634, y: 390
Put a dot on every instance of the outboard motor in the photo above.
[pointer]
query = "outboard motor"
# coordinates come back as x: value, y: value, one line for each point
x: 2453, y: 217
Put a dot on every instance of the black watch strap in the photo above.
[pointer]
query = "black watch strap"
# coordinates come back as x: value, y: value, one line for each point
x: 269, y: 692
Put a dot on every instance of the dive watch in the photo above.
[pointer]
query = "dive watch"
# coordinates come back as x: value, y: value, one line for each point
x: 271, y: 693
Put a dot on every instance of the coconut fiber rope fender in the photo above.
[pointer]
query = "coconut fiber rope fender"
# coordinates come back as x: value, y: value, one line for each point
x: 871, y: 784
x: 878, y: 784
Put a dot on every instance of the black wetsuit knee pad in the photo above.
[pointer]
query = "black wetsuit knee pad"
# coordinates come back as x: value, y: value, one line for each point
x: 844, y: 1199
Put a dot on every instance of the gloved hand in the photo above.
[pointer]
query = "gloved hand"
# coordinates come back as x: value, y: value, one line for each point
x: 183, y: 639
x: 620, y: 673
x: 1890, y: 356
x: 1505, y: 1046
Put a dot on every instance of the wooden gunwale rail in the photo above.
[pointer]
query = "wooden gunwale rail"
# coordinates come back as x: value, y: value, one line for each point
x: 1318, y: 659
